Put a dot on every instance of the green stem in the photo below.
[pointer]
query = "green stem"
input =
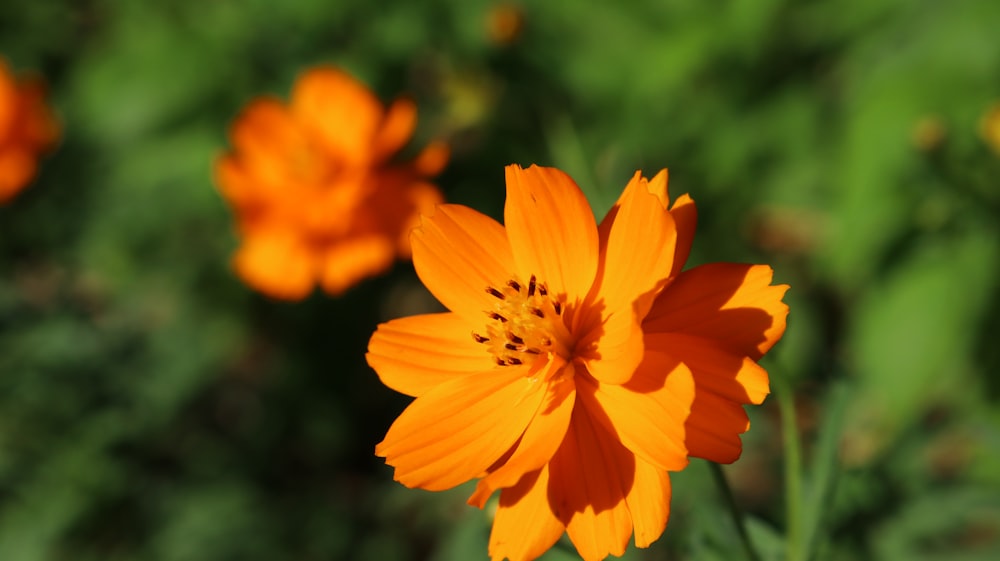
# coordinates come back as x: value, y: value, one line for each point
x: 734, y: 510
x: 793, y: 470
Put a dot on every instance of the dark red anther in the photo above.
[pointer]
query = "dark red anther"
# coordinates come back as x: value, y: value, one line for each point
x: 495, y: 292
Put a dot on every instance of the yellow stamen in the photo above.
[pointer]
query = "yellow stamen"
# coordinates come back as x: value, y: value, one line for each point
x: 525, y: 324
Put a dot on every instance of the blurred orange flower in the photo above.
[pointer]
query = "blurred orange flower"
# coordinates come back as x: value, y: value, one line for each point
x: 315, y: 194
x: 577, y: 364
x: 27, y: 128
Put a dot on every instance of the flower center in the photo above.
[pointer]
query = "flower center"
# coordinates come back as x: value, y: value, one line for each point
x: 525, y: 323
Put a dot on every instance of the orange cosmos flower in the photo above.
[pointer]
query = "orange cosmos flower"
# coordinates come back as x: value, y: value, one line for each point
x: 578, y: 364
x: 316, y: 196
x: 27, y: 128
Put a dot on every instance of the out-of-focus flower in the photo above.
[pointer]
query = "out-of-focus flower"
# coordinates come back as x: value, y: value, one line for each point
x: 505, y: 23
x: 989, y: 128
x: 27, y: 128
x: 577, y: 365
x: 315, y: 193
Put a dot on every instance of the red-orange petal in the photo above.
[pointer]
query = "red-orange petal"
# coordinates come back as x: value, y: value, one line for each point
x: 17, y: 166
x: 348, y: 262
x: 458, y: 253
x: 525, y: 526
x: 276, y: 263
x: 342, y: 111
x: 539, y: 442
x: 591, y: 475
x: 648, y: 502
x: 413, y: 355
x: 686, y: 218
x: 732, y: 304
x: 714, y: 427
x: 613, y: 350
x: 649, y: 412
x: 551, y: 230
x: 8, y: 100
x: 637, y: 251
x: 457, y: 430
x: 714, y: 368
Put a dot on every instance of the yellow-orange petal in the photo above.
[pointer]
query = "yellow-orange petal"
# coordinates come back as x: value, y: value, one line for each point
x: 686, y: 218
x: 234, y: 184
x: 457, y: 430
x: 350, y: 261
x: 396, y: 128
x: 649, y: 412
x: 404, y: 215
x: 591, y: 474
x: 266, y: 140
x: 732, y: 304
x: 714, y: 427
x: 276, y: 263
x: 525, y: 527
x: 539, y: 442
x: 613, y: 350
x: 648, y: 502
x: 458, y: 253
x: 551, y: 229
x: 637, y: 250
x: 413, y: 355
x: 342, y: 111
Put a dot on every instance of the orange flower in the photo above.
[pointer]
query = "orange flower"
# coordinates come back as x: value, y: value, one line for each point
x: 540, y: 381
x: 27, y: 128
x: 316, y: 197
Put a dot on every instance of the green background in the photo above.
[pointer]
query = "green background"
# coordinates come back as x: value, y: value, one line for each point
x: 154, y: 408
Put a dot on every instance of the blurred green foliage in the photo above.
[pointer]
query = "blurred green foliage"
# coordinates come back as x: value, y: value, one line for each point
x: 151, y: 407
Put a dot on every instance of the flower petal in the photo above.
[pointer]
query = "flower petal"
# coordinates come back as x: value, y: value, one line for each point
x: 458, y: 253
x: 265, y: 139
x: 539, y: 442
x: 413, y: 355
x: 734, y: 377
x: 342, y: 111
x: 714, y: 427
x: 686, y: 218
x: 551, y: 229
x: 637, y: 246
x: 591, y: 475
x: 17, y: 166
x: 276, y: 263
x: 648, y: 502
x: 396, y: 128
x: 733, y: 304
x: 612, y: 351
x: 525, y: 527
x: 649, y: 412
x: 457, y: 430
x: 349, y: 261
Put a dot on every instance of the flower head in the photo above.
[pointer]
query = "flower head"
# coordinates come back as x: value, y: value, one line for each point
x: 577, y: 365
x: 316, y: 196
x: 27, y: 128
